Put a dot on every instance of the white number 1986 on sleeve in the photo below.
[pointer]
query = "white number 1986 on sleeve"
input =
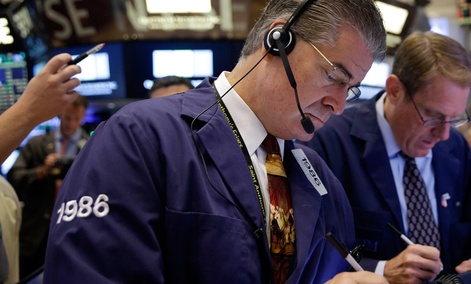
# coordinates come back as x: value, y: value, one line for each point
x: 84, y: 208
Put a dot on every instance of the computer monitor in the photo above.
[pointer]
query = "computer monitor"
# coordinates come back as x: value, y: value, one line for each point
x: 189, y: 63
x: 13, y: 77
x: 192, y: 59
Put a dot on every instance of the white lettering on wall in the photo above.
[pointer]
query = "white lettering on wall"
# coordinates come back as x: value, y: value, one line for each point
x: 68, y: 27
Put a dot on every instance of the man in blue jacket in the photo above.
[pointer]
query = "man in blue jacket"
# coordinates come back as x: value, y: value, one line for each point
x: 175, y: 189
x: 425, y: 97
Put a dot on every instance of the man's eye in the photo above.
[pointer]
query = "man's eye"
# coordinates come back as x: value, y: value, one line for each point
x: 331, y: 78
x: 336, y: 81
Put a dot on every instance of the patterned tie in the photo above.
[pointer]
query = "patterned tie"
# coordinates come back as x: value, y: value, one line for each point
x: 281, y: 211
x: 422, y: 227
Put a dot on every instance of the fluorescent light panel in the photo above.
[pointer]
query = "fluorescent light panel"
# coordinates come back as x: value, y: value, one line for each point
x: 178, y: 6
x: 394, y: 17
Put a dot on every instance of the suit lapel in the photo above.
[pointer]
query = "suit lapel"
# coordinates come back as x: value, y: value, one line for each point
x: 441, y: 164
x: 223, y: 157
x: 375, y: 156
x: 307, y: 203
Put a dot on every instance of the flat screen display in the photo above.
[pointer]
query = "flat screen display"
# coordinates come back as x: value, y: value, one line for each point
x: 191, y: 59
x: 13, y: 78
x: 182, y: 62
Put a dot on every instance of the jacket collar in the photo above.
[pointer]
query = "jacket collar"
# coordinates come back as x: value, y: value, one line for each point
x: 374, y: 154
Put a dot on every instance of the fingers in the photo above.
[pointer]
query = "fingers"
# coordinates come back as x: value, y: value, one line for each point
x: 72, y: 96
x: 68, y: 71
x: 58, y: 65
x: 57, y: 62
x: 363, y: 277
x: 464, y: 266
x: 414, y: 265
x: 71, y: 84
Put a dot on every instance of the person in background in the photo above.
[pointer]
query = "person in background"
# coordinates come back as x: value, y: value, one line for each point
x: 176, y: 189
x: 367, y: 148
x: 37, y: 177
x: 45, y: 96
x: 169, y: 85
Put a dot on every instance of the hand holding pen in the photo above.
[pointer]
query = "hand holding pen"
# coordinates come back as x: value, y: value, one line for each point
x: 417, y: 263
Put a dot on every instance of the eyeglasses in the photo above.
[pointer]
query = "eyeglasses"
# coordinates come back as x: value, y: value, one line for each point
x: 339, y: 76
x: 434, y: 122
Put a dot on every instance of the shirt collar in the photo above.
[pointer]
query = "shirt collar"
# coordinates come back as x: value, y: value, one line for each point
x: 250, y: 127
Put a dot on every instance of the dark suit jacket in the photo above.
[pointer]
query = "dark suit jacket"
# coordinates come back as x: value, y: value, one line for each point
x: 353, y: 147
x: 174, y: 202
x: 37, y: 196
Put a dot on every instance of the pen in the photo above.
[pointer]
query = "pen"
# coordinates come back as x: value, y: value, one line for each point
x: 344, y: 252
x: 403, y: 237
x: 86, y: 54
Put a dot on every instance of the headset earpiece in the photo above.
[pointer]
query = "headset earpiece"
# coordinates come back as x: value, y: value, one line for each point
x: 286, y: 37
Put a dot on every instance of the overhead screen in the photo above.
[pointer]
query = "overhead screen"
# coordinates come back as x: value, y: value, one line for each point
x: 13, y: 78
x: 194, y: 60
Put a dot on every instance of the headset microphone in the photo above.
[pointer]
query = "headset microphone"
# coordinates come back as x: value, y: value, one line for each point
x: 305, y: 121
x: 280, y: 41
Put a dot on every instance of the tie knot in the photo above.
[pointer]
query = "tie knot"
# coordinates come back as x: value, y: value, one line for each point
x: 271, y: 145
x: 406, y: 157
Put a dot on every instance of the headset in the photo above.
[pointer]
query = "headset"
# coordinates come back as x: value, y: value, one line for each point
x: 280, y: 41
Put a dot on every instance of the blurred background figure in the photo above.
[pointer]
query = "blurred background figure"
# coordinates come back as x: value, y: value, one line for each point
x: 169, y: 85
x: 37, y: 176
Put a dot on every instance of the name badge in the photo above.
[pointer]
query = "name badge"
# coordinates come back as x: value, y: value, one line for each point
x: 309, y: 171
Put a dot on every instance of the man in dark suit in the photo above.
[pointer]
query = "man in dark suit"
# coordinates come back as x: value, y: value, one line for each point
x: 425, y: 98
x: 37, y: 176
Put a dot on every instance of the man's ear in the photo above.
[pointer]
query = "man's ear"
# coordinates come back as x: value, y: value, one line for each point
x: 277, y: 23
x: 395, y: 89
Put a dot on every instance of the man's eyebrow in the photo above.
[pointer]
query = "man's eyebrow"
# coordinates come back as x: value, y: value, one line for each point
x: 341, y: 66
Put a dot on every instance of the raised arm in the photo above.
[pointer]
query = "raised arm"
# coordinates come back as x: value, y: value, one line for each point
x: 45, y: 96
